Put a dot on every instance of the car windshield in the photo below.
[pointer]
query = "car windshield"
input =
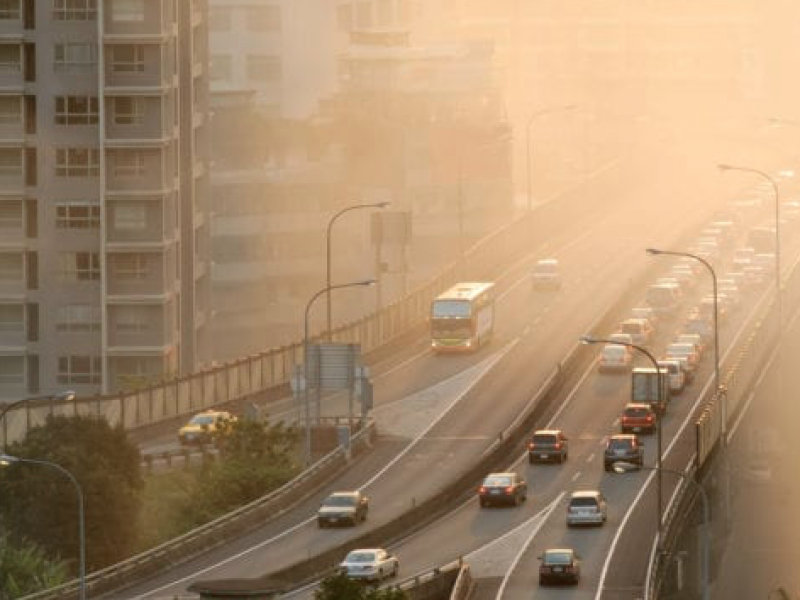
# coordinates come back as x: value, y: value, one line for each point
x: 557, y: 558
x: 544, y: 439
x: 360, y: 557
x: 619, y: 444
x: 583, y: 502
x: 497, y: 481
x: 202, y: 420
x: 636, y: 411
x: 340, y: 501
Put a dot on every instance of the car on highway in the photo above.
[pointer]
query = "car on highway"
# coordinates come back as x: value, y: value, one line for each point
x: 640, y: 330
x: 546, y: 274
x: 687, y: 351
x: 370, y: 564
x: 663, y: 298
x: 618, y: 336
x: 623, y: 447
x: 586, y: 507
x: 676, y: 378
x: 766, y: 261
x: 201, y: 427
x: 615, y: 358
x: 692, y: 338
x: 645, y: 312
x: 637, y: 417
x: 559, y: 565
x: 502, y: 488
x: 548, y: 445
x: 742, y: 257
x: 343, y: 508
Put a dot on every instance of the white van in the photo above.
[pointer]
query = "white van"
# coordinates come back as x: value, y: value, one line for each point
x: 546, y: 275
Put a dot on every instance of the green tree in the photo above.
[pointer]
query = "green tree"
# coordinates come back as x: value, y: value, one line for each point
x: 340, y: 587
x: 255, y: 458
x: 25, y: 569
x: 40, y: 504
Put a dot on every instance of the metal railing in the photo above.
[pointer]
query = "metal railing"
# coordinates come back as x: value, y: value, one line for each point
x: 253, y: 375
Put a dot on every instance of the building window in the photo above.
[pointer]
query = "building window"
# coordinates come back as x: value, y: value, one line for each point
x: 10, y: 58
x: 76, y: 110
x: 78, y: 318
x: 264, y: 18
x: 12, y: 370
x: 363, y: 15
x: 11, y: 215
x: 128, y: 58
x: 10, y: 162
x: 219, y: 18
x: 77, y: 162
x: 10, y: 10
x: 130, y: 217
x: 80, y: 266
x: 128, y: 110
x: 74, y: 10
x: 75, y: 57
x: 263, y: 68
x: 12, y: 267
x: 77, y: 215
x: 221, y: 68
x: 12, y: 318
x: 10, y: 110
x: 131, y: 319
x: 383, y: 17
x: 127, y: 11
x: 128, y: 163
x: 79, y: 369
x: 130, y: 266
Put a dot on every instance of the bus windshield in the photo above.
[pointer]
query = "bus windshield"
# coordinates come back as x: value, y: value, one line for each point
x: 444, y: 309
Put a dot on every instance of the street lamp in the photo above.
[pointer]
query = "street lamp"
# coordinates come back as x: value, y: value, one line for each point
x: 588, y: 339
x: 65, y: 396
x: 6, y: 460
x: 624, y: 467
x: 328, y: 253
x: 325, y: 290
x: 535, y: 115
x: 707, y: 265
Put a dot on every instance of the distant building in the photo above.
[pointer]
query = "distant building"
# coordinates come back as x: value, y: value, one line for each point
x: 104, y: 239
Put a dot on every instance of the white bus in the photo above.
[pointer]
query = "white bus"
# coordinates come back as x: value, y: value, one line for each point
x: 462, y: 318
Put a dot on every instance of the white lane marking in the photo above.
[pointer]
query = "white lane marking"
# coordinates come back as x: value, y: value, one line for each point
x: 403, y: 364
x: 441, y: 416
x: 526, y: 331
x: 591, y: 458
x: 576, y: 475
x: 525, y: 546
x: 294, y: 528
x: 614, y: 422
x: 620, y: 529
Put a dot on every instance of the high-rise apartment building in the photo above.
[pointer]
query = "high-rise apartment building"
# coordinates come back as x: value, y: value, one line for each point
x: 104, y: 225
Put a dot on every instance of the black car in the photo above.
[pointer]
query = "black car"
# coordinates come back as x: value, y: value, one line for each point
x: 559, y: 565
x: 503, y: 488
x: 623, y: 447
x: 548, y: 445
x: 343, y: 508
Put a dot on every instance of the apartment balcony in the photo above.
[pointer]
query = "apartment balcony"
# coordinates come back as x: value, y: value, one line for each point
x: 141, y: 171
x: 12, y: 275
x: 153, y: 22
x: 134, y: 327
x: 138, y: 121
x: 12, y: 224
x: 139, y: 277
x: 12, y: 75
x: 136, y: 68
x: 138, y: 224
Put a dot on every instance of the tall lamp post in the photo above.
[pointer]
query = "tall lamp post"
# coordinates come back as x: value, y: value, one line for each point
x: 328, y: 254
x: 65, y: 396
x: 539, y: 113
x: 325, y: 290
x: 623, y: 467
x: 588, y: 339
x: 6, y: 460
x: 707, y: 265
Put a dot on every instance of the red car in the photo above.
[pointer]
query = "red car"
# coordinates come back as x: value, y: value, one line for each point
x: 637, y: 418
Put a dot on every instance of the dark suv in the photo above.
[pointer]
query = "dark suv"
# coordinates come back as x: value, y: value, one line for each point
x: 623, y: 447
x: 548, y: 445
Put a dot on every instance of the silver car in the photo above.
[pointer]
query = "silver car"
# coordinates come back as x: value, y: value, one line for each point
x: 586, y: 507
x: 370, y: 564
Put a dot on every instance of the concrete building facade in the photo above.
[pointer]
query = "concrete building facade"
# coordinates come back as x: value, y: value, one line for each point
x: 104, y: 229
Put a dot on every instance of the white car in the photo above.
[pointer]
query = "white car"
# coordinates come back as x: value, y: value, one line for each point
x: 370, y: 564
x: 586, y: 507
x: 546, y: 274
x: 614, y: 357
x: 640, y: 330
x: 742, y: 257
x: 676, y: 378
